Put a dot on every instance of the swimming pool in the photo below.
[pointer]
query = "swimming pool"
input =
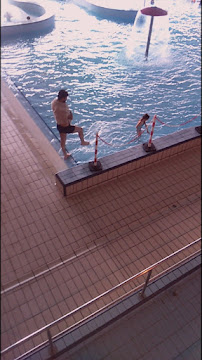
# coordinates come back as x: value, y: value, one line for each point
x: 110, y: 84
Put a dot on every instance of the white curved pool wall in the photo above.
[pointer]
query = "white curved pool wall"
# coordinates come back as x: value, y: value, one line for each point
x: 111, y: 9
x: 23, y: 17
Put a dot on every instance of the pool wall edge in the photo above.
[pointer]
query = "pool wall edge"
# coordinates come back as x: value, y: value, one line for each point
x: 26, y: 115
x: 80, y: 178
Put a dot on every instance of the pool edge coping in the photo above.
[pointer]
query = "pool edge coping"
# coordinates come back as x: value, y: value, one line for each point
x: 131, y: 159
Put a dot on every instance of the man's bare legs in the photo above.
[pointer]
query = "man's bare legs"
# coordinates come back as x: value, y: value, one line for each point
x: 79, y: 130
x: 63, y: 137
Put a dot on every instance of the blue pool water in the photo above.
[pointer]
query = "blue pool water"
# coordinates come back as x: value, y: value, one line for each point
x: 101, y: 64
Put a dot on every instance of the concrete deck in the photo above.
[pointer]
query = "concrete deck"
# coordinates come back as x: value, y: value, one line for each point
x: 58, y: 253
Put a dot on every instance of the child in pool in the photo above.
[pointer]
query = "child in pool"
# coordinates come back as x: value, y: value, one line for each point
x: 142, y: 122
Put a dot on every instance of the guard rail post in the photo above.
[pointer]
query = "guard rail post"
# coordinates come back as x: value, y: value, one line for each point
x: 53, y: 348
x: 146, y: 283
x: 96, y: 164
x: 150, y: 146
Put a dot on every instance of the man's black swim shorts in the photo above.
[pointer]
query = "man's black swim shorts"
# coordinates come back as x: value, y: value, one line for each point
x: 66, y: 129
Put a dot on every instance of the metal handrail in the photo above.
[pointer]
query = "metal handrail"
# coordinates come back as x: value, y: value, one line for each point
x: 147, y: 270
x: 97, y: 312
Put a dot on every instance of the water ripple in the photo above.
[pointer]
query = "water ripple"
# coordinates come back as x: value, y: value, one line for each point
x: 109, y: 88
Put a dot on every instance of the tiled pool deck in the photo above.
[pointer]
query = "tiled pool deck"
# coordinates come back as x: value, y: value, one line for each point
x: 59, y: 252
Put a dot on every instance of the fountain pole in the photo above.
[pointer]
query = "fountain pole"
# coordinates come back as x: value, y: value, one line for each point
x: 152, y: 11
x: 149, y: 37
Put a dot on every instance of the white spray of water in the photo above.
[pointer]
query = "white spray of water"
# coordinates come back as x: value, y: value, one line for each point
x: 136, y: 45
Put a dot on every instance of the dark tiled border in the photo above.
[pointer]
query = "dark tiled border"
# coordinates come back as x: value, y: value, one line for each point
x: 81, y: 177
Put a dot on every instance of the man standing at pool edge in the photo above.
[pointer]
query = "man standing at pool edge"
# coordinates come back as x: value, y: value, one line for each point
x: 63, y: 117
